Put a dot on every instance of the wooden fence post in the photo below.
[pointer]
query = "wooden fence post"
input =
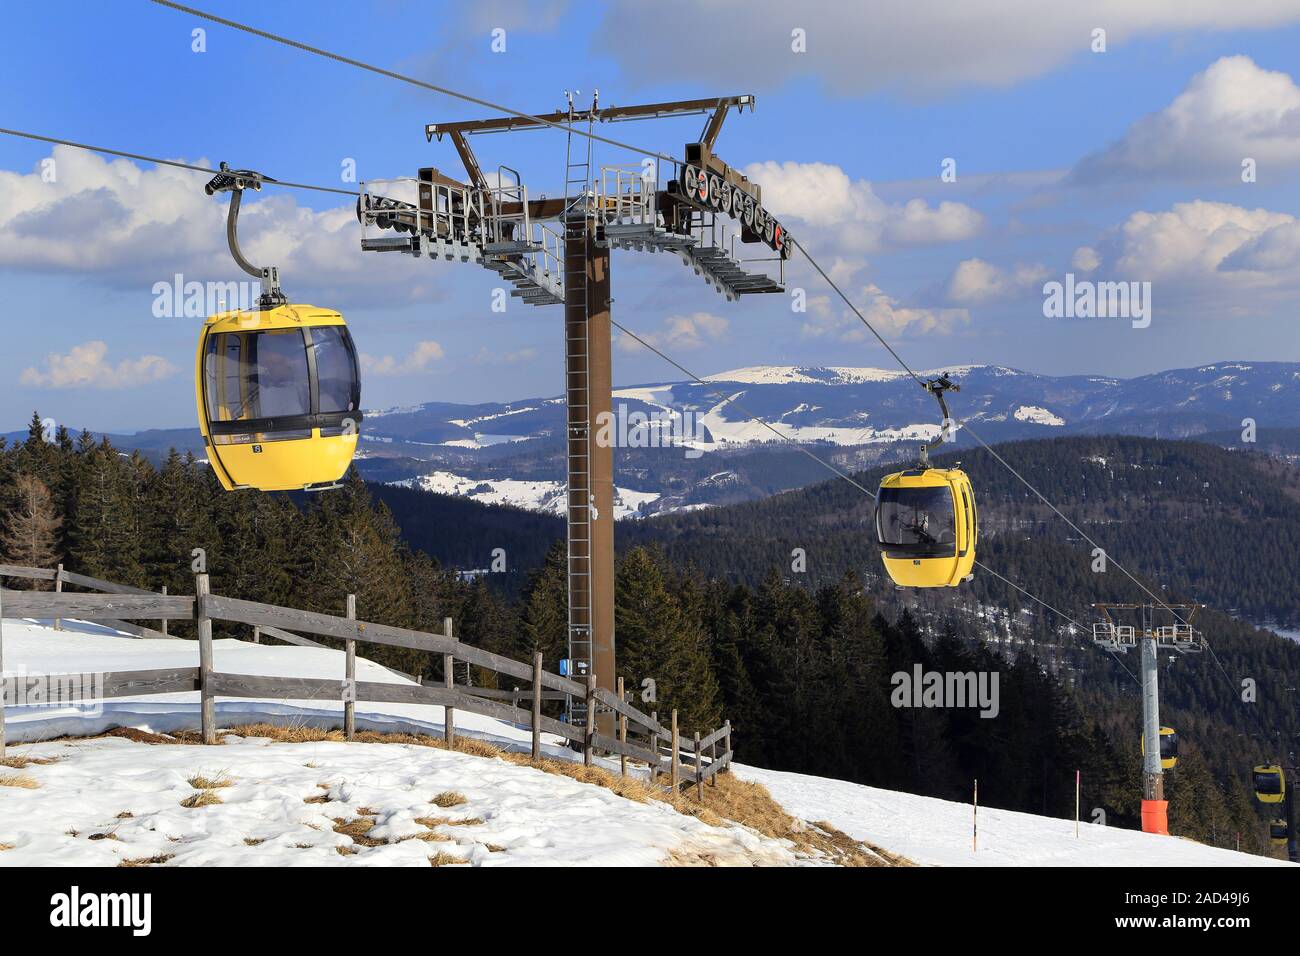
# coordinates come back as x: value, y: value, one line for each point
x: 699, y: 770
x: 257, y: 634
x: 726, y: 748
x: 207, y: 703
x: 58, y: 589
x: 589, y: 741
x: 537, y: 706
x: 672, y: 772
x: 350, y: 676
x: 449, y: 681
x: 164, y: 620
x: 622, y: 733
x: 713, y: 758
x: 654, y: 746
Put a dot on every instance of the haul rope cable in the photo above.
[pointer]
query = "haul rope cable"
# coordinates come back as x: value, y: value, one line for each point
x: 359, y: 64
x: 170, y: 162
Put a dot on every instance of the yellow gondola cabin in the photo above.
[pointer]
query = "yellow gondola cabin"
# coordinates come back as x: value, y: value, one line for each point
x: 1168, y: 747
x: 1270, y: 784
x: 279, y: 397
x: 926, y: 527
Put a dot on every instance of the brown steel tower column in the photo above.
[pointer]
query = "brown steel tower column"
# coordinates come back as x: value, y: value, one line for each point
x: 588, y: 383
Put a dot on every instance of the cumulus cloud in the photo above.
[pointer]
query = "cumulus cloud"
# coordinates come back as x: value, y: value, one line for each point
x: 1085, y: 259
x: 976, y: 281
x: 890, y: 318
x: 1207, y: 259
x: 1232, y: 111
x: 916, y: 48
x: 418, y: 360
x: 87, y: 366
x: 133, y: 227
x: 1197, y: 238
x: 849, y: 214
x: 680, y: 333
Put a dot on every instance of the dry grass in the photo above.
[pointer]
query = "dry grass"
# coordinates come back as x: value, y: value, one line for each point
x: 319, y: 798
x: 356, y: 830
x: 203, y: 798
x: 125, y: 815
x: 200, y: 782
x: 495, y: 848
x: 449, y: 798
x: 443, y: 858
x: 251, y: 841
x: 148, y: 860
x: 6, y: 846
x: 22, y: 763
x: 23, y: 780
x: 104, y: 836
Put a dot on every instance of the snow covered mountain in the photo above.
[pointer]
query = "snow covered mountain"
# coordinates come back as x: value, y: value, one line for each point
x: 857, y: 406
x: 511, y: 452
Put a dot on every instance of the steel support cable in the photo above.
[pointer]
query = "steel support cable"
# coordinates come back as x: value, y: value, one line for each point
x: 167, y: 162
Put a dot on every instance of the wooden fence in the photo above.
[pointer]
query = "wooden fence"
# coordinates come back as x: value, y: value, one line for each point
x: 612, y: 727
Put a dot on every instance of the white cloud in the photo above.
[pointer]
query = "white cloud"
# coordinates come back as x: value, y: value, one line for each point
x: 1231, y: 111
x: 135, y: 226
x: 680, y: 333
x: 1085, y: 259
x: 889, y: 317
x: 86, y: 366
x: 1193, y: 239
x: 975, y: 281
x: 419, y: 360
x: 849, y: 215
x: 916, y: 48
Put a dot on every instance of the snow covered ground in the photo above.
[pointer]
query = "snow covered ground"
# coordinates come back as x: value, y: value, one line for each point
x: 107, y: 800
x: 938, y: 832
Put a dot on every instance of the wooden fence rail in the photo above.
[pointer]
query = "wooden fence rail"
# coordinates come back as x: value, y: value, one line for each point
x: 690, y: 761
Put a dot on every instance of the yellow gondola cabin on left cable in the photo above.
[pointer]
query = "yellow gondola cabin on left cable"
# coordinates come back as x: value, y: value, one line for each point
x: 279, y: 397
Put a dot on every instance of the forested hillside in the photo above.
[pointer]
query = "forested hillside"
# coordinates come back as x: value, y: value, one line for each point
x: 709, y: 609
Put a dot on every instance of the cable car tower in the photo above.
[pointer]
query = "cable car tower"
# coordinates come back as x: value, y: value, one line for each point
x: 1152, y: 635
x: 557, y: 251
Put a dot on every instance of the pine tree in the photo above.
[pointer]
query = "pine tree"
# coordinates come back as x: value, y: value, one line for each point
x: 30, y: 532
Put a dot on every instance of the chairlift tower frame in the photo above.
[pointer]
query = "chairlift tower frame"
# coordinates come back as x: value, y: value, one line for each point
x: 1150, y: 636
x: 682, y: 210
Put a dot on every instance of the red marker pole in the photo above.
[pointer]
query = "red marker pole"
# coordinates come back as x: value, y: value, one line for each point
x: 975, y: 819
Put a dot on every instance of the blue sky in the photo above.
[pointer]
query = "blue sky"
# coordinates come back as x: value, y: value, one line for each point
x: 1119, y: 165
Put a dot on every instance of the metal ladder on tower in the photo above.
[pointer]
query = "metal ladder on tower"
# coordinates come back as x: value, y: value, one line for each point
x: 577, y: 238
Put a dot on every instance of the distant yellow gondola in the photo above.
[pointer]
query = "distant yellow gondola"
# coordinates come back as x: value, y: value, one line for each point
x: 1270, y: 784
x: 278, y: 387
x: 1278, y: 832
x: 926, y: 522
x: 1168, y: 747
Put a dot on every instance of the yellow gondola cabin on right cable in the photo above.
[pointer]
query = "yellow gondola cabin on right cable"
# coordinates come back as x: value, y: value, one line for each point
x: 1270, y: 784
x: 926, y: 521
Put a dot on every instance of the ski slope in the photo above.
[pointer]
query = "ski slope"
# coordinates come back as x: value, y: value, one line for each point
x: 935, y: 832
x: 106, y: 800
